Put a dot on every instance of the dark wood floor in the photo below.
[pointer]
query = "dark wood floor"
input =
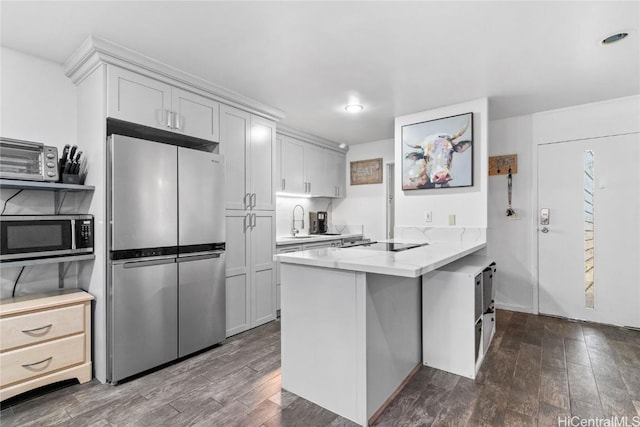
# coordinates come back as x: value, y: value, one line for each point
x: 537, y: 369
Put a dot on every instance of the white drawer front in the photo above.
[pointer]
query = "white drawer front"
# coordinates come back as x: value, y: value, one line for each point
x: 39, y: 359
x: 41, y: 326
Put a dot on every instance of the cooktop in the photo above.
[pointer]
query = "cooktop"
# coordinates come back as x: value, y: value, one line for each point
x: 390, y: 247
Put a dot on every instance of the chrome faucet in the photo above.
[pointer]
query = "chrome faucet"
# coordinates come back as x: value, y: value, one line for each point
x: 294, y: 230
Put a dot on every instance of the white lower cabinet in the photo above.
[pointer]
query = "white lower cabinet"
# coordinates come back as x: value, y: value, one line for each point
x: 283, y: 250
x: 295, y: 248
x: 250, y: 276
x: 458, y: 319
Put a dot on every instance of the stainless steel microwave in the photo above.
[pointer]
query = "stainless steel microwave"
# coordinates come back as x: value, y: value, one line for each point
x: 28, y: 160
x: 44, y: 236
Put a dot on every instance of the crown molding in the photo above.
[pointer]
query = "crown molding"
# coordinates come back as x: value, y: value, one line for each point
x: 314, y: 139
x: 95, y: 51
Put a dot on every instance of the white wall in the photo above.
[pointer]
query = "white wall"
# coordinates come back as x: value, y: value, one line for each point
x: 365, y: 204
x: 509, y: 241
x: 38, y: 103
x: 468, y: 204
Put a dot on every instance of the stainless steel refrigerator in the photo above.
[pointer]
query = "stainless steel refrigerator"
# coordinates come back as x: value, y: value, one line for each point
x: 166, y: 247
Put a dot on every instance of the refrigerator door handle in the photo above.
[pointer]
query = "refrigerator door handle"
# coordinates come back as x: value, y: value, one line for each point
x: 200, y: 256
x: 136, y: 264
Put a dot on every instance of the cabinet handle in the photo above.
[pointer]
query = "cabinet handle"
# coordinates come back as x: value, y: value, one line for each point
x: 255, y: 221
x: 177, y: 121
x: 253, y: 200
x: 244, y: 200
x: 37, y: 363
x: 26, y: 331
x: 244, y: 223
x: 309, y: 187
x: 169, y: 119
x: 283, y: 184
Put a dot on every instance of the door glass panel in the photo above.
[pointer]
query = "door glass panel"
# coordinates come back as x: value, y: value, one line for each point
x: 589, y: 284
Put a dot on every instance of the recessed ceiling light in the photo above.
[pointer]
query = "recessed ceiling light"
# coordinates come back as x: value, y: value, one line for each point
x: 354, y: 108
x: 614, y: 38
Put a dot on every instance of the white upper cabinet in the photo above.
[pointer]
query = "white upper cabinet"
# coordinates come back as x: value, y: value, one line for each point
x: 139, y: 99
x: 315, y: 170
x: 248, y: 143
x: 195, y: 115
x: 262, y: 164
x: 291, y: 165
x: 310, y: 169
x: 337, y: 173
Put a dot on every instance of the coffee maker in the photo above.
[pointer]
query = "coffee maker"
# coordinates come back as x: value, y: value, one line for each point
x: 318, y: 222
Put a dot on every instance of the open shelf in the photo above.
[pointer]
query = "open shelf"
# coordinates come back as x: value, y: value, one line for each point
x: 46, y: 186
x: 52, y: 260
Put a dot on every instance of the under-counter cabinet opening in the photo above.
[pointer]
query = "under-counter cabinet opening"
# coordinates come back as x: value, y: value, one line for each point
x: 458, y: 319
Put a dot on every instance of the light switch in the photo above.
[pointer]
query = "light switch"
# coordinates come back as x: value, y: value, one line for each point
x: 428, y: 216
x: 452, y: 219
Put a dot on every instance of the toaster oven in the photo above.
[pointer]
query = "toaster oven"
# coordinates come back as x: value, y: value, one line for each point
x: 28, y: 160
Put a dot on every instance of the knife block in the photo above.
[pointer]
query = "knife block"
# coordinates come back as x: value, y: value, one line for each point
x: 68, y: 178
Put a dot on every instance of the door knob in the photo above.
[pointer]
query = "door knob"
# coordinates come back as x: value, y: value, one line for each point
x: 544, y: 230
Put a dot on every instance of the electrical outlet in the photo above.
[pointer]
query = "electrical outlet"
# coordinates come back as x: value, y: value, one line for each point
x: 452, y: 219
x: 427, y: 216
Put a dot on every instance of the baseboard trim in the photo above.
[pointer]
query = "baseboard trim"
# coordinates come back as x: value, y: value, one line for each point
x: 511, y: 307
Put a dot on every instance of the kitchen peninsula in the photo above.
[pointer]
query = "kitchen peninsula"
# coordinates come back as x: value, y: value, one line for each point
x: 351, y: 318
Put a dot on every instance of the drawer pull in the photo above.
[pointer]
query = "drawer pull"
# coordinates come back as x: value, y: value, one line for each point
x: 37, y: 363
x: 26, y: 331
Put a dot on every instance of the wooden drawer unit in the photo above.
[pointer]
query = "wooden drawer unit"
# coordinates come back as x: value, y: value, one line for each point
x: 33, y: 328
x: 29, y: 362
x: 44, y: 339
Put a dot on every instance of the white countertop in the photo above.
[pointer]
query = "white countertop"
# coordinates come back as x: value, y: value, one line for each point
x: 310, y: 238
x: 408, y: 263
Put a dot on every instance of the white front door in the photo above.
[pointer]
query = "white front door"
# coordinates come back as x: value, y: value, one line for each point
x: 589, y: 252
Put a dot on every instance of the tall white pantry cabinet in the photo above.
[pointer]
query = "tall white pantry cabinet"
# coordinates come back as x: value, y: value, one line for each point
x: 117, y: 83
x: 248, y: 143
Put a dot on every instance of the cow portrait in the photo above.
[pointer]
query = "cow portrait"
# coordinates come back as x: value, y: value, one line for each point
x: 438, y: 153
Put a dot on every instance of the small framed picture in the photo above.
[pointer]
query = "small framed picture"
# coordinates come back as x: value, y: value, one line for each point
x: 366, y: 172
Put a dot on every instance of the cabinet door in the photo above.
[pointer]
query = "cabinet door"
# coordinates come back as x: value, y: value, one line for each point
x: 263, y: 275
x: 196, y: 115
x: 283, y: 250
x: 262, y: 164
x: 315, y: 170
x: 292, y: 166
x: 238, y: 273
x: 234, y: 136
x: 336, y: 172
x: 138, y: 99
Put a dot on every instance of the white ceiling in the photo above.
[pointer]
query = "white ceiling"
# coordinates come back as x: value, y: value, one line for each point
x: 309, y: 59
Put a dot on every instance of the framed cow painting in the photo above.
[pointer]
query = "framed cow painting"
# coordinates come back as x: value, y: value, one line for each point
x: 438, y: 153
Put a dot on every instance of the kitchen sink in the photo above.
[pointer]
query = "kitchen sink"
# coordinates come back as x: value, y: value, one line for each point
x: 311, y: 236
